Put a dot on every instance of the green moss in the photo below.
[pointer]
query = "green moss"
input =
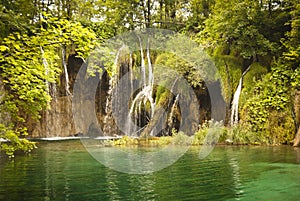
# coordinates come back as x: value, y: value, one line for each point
x: 164, y: 98
x: 160, y: 90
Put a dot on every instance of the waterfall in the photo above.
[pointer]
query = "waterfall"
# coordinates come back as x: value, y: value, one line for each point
x: 131, y: 72
x: 46, y: 67
x: 143, y: 69
x: 53, y: 91
x: 142, y: 97
x: 235, y: 104
x: 128, y: 120
x: 108, y: 119
x: 145, y: 95
x: 150, y: 70
x: 234, y: 118
x: 63, y: 55
x: 117, y: 57
x: 175, y: 103
x: 170, y: 120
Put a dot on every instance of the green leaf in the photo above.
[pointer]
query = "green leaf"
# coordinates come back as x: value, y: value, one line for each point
x: 3, y: 48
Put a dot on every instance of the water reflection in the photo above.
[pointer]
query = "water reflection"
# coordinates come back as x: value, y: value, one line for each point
x: 112, y: 184
x: 233, y: 162
x: 65, y: 171
x: 297, y: 151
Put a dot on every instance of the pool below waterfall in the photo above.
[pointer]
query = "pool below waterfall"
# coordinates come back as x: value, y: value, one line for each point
x: 66, y: 171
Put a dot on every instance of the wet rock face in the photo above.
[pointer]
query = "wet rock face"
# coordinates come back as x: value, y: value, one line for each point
x: 59, y: 119
x: 73, y: 66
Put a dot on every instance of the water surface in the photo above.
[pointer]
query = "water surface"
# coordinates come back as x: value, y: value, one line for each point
x: 66, y: 171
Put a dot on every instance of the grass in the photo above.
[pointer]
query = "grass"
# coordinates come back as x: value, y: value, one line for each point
x: 218, y: 134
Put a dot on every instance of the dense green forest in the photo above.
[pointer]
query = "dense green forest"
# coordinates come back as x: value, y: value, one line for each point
x: 261, y: 34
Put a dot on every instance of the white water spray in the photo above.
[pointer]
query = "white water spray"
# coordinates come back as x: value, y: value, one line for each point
x: 63, y: 55
x: 170, y: 120
x: 46, y: 67
x: 234, y: 118
x: 145, y: 95
x: 143, y: 68
x: 131, y: 72
x: 150, y: 68
x: 108, y: 119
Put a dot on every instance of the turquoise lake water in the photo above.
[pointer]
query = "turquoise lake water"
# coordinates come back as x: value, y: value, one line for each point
x: 66, y: 171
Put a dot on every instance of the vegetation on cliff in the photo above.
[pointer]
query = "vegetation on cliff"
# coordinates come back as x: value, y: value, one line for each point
x: 237, y: 34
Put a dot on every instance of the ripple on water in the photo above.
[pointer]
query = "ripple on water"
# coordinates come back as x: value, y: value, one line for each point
x: 66, y: 171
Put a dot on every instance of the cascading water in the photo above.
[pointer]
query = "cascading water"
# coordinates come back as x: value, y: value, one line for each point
x: 128, y: 127
x: 131, y: 71
x: 143, y: 68
x: 150, y: 75
x: 63, y: 55
x: 46, y: 67
x: 57, y: 120
x: 234, y: 118
x: 108, y: 119
x: 235, y: 104
x: 171, y: 120
x: 145, y: 95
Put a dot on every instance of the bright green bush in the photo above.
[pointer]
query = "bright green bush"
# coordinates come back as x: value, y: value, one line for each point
x: 14, y: 143
x: 267, y: 107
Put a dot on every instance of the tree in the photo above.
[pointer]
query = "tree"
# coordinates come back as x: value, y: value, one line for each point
x: 29, y: 64
x: 270, y: 102
x: 199, y: 12
x: 237, y: 26
x: 240, y: 33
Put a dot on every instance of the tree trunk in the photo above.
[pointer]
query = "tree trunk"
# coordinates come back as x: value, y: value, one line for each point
x: 297, y: 117
x: 161, y: 13
x: 148, y: 14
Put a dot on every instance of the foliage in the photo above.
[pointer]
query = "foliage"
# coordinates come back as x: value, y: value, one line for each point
x: 188, y: 60
x: 268, y: 108
x: 179, y: 138
x: 125, y: 140
x: 241, y: 135
x: 255, y: 75
x: 14, y: 143
x: 30, y: 63
x: 238, y: 24
x: 229, y: 69
x: 14, y: 16
x: 292, y: 42
x: 240, y: 33
x: 215, y: 129
x: 200, y: 11
x: 199, y: 136
x: 151, y: 141
x: 236, y: 33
